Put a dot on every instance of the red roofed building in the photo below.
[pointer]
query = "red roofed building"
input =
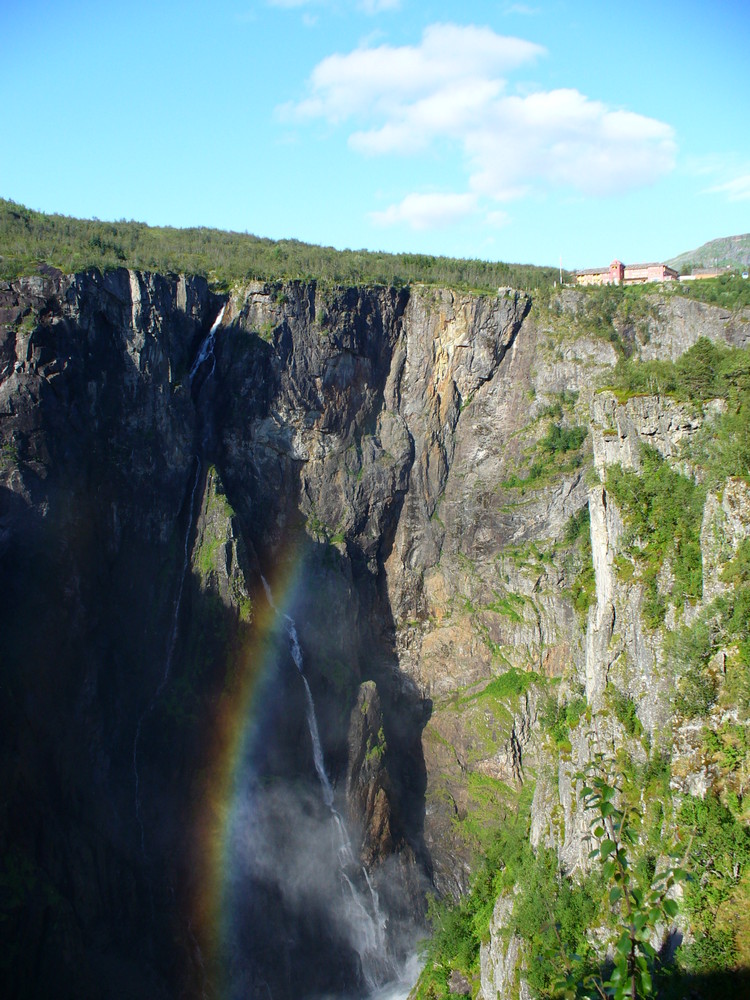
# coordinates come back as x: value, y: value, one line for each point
x: 626, y: 274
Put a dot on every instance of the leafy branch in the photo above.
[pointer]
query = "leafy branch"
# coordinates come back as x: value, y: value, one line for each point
x: 637, y: 905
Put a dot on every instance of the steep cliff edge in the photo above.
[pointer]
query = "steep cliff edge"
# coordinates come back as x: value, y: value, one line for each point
x: 405, y: 471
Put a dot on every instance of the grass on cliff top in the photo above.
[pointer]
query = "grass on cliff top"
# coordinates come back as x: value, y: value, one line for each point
x: 29, y: 238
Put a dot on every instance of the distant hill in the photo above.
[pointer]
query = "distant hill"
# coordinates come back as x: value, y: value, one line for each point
x: 730, y: 251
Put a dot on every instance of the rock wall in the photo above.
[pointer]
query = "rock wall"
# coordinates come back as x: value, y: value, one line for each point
x: 414, y: 458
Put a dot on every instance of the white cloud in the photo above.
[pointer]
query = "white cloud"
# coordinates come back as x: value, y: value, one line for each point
x: 497, y: 219
x: 427, y: 211
x: 728, y: 174
x: 383, y: 82
x: 736, y: 189
x: 452, y: 88
x: 561, y: 138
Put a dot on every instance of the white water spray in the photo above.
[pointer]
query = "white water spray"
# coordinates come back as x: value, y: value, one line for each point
x: 207, y: 348
x: 367, y: 923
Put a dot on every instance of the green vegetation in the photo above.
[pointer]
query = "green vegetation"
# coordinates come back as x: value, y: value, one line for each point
x: 28, y: 238
x: 509, y: 605
x: 727, y: 251
x: 218, y: 511
x: 706, y: 371
x: 721, y: 853
x: 725, y: 624
x: 662, y: 511
x: 688, y: 650
x: 459, y: 929
x: 728, y: 291
x: 511, y: 684
x: 558, y: 452
x: 625, y: 711
x: 557, y: 918
x: 376, y: 747
x: 559, y: 439
x: 639, y: 899
x: 558, y: 719
x: 8, y: 457
x: 618, y: 313
x: 583, y: 586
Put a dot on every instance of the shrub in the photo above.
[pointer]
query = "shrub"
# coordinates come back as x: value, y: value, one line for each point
x: 662, y: 510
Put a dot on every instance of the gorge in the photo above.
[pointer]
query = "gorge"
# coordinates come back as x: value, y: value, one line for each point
x: 308, y: 590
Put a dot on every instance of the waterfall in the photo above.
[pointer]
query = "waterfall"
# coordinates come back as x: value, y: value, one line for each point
x: 206, y: 350
x: 364, y: 918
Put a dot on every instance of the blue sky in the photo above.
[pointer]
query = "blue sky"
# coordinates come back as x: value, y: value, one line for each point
x: 510, y: 131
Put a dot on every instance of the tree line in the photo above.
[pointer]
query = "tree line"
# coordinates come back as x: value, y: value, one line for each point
x: 29, y: 238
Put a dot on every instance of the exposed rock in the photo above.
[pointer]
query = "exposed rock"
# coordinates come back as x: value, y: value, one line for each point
x: 619, y: 430
x: 500, y: 958
x: 367, y: 779
x: 726, y: 522
x: 369, y: 449
x: 458, y: 984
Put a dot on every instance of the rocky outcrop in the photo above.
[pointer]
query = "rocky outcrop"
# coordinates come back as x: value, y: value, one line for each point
x: 501, y: 958
x: 367, y: 778
x: 726, y: 523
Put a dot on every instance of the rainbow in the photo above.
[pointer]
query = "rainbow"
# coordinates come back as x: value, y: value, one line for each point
x: 236, y: 725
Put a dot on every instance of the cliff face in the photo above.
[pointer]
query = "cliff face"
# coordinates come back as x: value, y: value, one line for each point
x: 413, y: 460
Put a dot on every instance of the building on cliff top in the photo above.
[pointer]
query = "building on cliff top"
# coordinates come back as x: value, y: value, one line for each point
x: 625, y: 274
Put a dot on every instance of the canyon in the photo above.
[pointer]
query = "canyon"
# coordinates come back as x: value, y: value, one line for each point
x: 289, y: 584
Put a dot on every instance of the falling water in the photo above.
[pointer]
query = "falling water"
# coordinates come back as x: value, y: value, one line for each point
x: 367, y: 922
x: 206, y: 351
x: 207, y: 348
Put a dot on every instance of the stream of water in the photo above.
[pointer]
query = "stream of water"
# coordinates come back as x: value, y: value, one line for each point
x: 366, y: 921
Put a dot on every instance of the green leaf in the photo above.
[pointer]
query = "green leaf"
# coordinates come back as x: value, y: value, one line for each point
x: 649, y: 950
x: 606, y: 848
x: 608, y: 870
x: 606, y: 809
x: 623, y: 945
x: 599, y: 831
x: 615, y: 894
x: 671, y: 908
